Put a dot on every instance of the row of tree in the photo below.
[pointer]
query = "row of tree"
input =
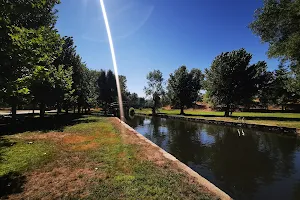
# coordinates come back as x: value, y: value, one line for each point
x: 230, y: 82
x: 38, y: 67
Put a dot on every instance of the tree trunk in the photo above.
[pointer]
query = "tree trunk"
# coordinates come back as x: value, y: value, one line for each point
x: 42, y: 110
x: 58, y: 108
x: 14, y: 109
x: 227, y: 111
x: 74, y: 109
x: 282, y: 107
x: 153, y: 111
x: 67, y: 110
x: 33, y: 107
x: 78, y: 108
x: 105, y: 109
x: 181, y: 110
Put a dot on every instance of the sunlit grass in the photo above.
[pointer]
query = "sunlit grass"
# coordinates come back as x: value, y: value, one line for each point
x: 118, y: 170
x: 253, y: 117
x: 19, y: 155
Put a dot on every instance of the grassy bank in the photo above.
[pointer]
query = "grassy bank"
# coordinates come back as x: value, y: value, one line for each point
x: 291, y: 120
x: 90, y: 158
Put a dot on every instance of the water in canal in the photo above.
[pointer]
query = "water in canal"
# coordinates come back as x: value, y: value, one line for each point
x: 245, y: 163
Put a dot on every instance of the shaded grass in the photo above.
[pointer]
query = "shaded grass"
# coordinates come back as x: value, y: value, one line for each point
x: 291, y: 120
x: 109, y: 168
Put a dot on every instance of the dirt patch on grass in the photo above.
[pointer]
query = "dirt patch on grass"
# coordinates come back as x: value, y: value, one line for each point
x: 52, y: 136
x: 58, y: 183
x: 74, y: 139
x: 88, y: 146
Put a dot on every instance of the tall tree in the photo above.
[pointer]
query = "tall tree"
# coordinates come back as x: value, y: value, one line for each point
x: 18, y: 19
x: 184, y: 86
x: 282, y: 92
x: 232, y: 81
x: 277, y: 23
x: 133, y: 100
x: 155, y: 88
x: 107, y: 88
x: 266, y: 93
x: 67, y: 59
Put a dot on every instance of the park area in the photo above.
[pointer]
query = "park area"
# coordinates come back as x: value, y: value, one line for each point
x: 290, y: 120
x: 75, y: 156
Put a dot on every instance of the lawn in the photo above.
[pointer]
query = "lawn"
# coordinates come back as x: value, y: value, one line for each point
x: 291, y: 120
x: 88, y: 158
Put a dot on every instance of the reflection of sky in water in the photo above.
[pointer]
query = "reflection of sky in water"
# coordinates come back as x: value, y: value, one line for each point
x: 163, y: 129
x: 206, y: 139
x: 147, y: 121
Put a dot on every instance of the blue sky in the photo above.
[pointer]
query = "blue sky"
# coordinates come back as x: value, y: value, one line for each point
x: 160, y: 34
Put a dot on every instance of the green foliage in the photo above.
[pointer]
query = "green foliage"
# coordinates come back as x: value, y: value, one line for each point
x: 133, y: 99
x: 277, y: 23
x: 107, y: 88
x: 232, y: 81
x: 184, y: 86
x: 155, y: 87
x: 27, y: 40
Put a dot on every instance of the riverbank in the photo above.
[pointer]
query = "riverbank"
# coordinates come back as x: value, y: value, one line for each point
x: 285, y: 123
x: 90, y: 157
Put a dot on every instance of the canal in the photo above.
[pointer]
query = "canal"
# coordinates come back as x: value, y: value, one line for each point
x: 244, y: 163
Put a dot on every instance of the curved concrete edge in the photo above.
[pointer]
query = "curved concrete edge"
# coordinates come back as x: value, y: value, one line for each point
x: 202, y: 181
x: 284, y: 131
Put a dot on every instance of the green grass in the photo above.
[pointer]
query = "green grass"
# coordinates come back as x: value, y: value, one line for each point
x: 291, y: 120
x: 218, y: 113
x: 17, y: 156
x: 119, y: 171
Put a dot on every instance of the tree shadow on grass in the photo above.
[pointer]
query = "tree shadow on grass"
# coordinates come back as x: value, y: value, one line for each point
x: 11, y: 183
x: 49, y: 123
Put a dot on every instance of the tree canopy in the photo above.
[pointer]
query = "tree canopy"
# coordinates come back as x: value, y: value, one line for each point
x: 154, y: 87
x: 232, y: 81
x: 277, y: 23
x: 184, y: 86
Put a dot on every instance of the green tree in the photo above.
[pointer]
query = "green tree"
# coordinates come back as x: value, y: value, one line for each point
x: 107, y: 89
x: 282, y: 92
x: 18, y: 20
x: 266, y: 93
x: 68, y: 59
x: 141, y: 102
x: 155, y: 88
x: 133, y: 100
x: 231, y: 80
x: 93, y: 95
x: 184, y: 86
x: 277, y: 23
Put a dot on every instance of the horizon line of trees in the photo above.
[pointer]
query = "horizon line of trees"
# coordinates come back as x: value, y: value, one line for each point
x: 230, y: 82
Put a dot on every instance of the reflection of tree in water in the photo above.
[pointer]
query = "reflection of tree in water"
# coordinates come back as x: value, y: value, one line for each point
x: 183, y: 139
x: 154, y: 132
x: 296, y: 189
x: 240, y: 162
x: 136, y: 121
